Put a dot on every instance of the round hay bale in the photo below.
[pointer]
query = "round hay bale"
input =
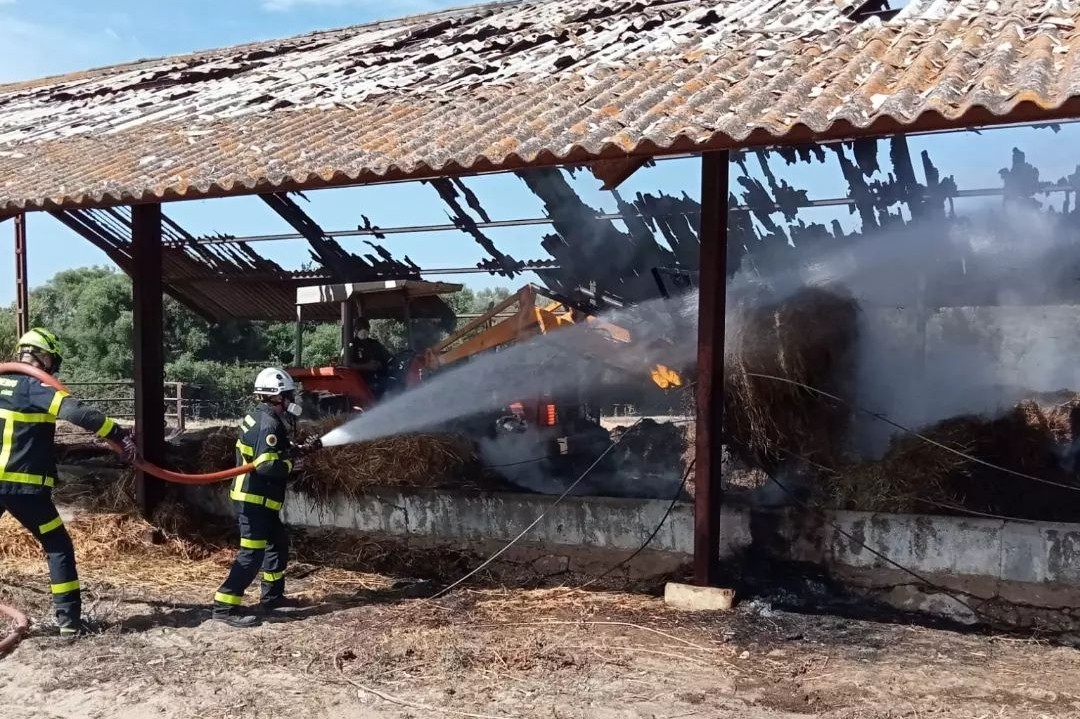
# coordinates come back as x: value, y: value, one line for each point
x: 808, y: 338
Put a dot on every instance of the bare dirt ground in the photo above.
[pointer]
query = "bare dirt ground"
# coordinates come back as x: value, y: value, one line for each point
x: 367, y: 647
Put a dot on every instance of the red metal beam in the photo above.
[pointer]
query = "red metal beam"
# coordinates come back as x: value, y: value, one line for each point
x: 22, y: 295
x: 712, y: 307
x: 146, y: 290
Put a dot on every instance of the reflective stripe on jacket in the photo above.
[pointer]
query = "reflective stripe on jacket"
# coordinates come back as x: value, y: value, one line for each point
x: 28, y: 414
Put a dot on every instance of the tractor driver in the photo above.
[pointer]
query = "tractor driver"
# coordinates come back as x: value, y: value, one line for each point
x: 370, y: 357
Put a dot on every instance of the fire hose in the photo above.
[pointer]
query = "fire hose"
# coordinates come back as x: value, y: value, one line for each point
x: 139, y: 463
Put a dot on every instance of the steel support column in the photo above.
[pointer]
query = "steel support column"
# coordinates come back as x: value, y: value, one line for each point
x: 348, y: 326
x: 146, y: 283
x: 22, y: 293
x: 712, y: 305
x: 298, y: 340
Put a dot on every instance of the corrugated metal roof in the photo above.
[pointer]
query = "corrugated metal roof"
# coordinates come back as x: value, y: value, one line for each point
x: 513, y: 84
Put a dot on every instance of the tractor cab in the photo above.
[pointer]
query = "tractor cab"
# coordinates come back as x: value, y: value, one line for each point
x: 417, y: 305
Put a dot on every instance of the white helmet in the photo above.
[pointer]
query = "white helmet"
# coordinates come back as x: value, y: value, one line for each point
x: 273, y: 381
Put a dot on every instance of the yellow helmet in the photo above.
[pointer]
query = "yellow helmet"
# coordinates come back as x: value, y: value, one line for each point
x: 41, y: 339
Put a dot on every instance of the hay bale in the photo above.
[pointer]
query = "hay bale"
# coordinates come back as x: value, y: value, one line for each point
x: 910, y: 473
x: 423, y: 460
x: 915, y: 476
x: 420, y: 460
x: 809, y: 338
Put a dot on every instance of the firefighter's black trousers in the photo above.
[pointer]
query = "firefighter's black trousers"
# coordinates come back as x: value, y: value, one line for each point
x: 38, y: 514
x: 264, y: 547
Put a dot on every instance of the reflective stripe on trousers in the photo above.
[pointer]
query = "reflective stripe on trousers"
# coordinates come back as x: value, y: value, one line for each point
x: 264, y: 549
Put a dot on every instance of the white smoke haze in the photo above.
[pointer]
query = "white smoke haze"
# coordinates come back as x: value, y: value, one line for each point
x: 957, y: 316
x: 557, y: 364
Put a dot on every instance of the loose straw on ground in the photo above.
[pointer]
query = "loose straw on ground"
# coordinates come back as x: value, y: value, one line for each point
x: 406, y: 703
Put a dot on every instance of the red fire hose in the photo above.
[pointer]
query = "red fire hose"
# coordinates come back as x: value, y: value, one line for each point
x: 159, y: 472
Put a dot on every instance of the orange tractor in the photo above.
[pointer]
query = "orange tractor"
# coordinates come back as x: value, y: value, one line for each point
x: 342, y: 387
x: 515, y: 319
x: 520, y: 317
x: 564, y: 427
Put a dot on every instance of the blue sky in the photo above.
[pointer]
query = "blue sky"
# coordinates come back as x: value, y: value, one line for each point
x: 41, y: 37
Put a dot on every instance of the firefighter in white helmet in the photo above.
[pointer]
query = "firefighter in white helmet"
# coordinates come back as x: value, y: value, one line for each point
x: 258, y: 497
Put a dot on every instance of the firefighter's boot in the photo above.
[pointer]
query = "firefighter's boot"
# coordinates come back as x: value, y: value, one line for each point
x: 273, y: 606
x: 234, y: 617
x: 76, y: 629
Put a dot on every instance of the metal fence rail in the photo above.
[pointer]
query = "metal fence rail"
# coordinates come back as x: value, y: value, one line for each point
x: 182, y: 401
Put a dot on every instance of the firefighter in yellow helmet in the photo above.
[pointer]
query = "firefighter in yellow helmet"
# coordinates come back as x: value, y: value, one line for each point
x: 28, y: 413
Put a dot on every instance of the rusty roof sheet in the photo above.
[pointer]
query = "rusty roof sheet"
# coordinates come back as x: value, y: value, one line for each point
x: 514, y: 84
x: 231, y: 281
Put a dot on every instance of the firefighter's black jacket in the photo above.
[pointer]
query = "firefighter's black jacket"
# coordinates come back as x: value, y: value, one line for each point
x: 28, y: 414
x: 264, y: 442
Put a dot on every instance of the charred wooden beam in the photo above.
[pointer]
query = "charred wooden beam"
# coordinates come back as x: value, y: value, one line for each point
x: 449, y: 192
x: 712, y: 311
x: 343, y: 265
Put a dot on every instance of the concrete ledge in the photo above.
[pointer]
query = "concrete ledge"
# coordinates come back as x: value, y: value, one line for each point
x: 597, y: 522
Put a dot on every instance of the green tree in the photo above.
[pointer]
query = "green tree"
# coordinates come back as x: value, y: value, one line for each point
x: 89, y: 309
x: 8, y: 330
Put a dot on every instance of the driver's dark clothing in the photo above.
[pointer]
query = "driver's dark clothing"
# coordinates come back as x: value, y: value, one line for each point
x: 371, y: 350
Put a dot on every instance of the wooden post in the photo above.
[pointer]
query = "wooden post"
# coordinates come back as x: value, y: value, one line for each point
x: 146, y: 284
x: 712, y: 306
x: 181, y: 422
x: 348, y: 323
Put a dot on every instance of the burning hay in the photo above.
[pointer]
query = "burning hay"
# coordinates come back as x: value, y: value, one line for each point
x: 807, y: 338
x: 422, y: 460
x: 417, y: 460
x: 917, y: 476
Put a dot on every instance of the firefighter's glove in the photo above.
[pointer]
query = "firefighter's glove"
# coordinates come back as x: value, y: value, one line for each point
x: 311, y: 445
x: 128, y: 449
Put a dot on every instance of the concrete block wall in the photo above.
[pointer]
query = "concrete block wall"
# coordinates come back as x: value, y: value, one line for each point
x: 1008, y: 551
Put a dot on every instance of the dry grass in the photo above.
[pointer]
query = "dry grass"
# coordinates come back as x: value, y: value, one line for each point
x: 101, y: 539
